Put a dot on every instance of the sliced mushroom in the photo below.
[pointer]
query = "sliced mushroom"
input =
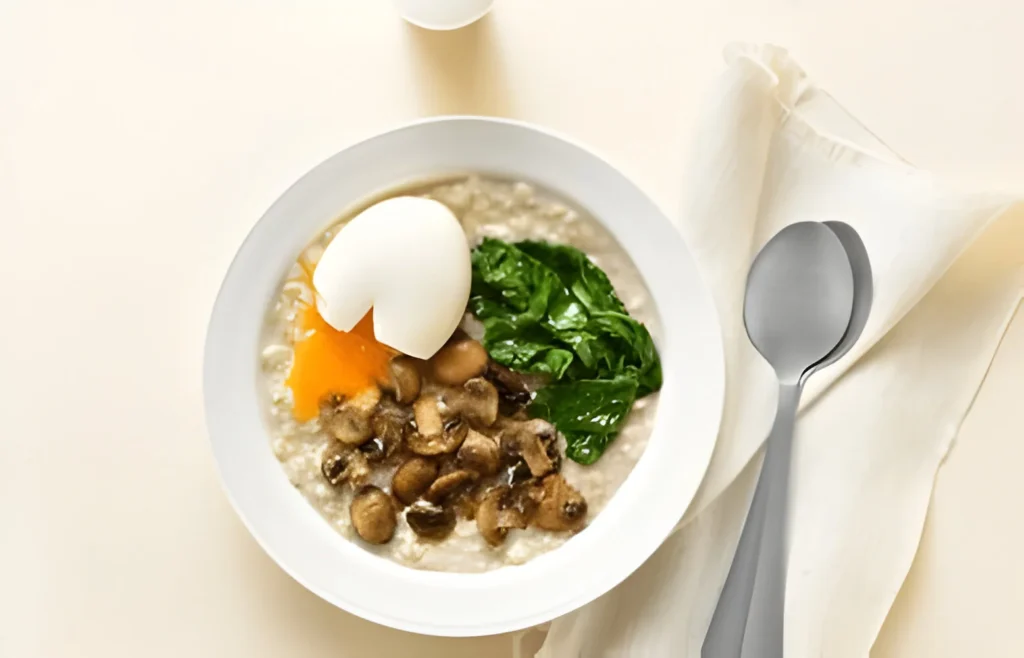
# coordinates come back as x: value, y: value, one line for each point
x: 429, y: 520
x: 340, y: 463
x: 549, y: 437
x: 459, y: 361
x: 453, y: 433
x: 479, y: 453
x: 520, y: 442
x: 544, y: 430
x: 513, y: 388
x: 516, y: 508
x: 389, y: 425
x: 348, y: 426
x: 349, y: 422
x: 520, y: 504
x: 449, y: 484
x: 504, y: 508
x: 510, y: 517
x: 562, y: 507
x: 405, y: 379
x: 413, y: 478
x: 507, y: 380
x: 373, y: 515
x: 374, y: 450
x: 427, y: 411
x: 487, y: 517
x: 477, y: 401
x: 516, y: 471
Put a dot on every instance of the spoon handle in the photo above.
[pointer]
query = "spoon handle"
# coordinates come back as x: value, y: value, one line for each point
x: 763, y: 637
x: 724, y: 638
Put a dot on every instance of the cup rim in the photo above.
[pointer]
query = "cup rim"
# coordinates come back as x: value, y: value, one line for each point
x: 438, y: 27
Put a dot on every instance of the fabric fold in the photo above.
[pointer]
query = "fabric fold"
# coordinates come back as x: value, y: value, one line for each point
x: 771, y: 149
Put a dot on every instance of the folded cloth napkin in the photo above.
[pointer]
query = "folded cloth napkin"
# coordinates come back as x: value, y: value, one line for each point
x: 773, y: 149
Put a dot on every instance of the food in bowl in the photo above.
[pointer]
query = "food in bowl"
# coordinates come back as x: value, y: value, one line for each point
x: 510, y: 438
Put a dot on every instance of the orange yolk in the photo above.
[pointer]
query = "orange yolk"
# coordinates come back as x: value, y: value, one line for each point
x: 332, y: 361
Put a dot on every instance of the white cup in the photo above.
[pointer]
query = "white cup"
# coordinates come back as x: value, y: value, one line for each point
x: 443, y: 14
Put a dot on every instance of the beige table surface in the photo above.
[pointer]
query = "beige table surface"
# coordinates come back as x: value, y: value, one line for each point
x: 139, y: 141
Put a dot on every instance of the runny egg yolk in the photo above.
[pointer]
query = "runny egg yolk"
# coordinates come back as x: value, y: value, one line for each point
x: 332, y: 361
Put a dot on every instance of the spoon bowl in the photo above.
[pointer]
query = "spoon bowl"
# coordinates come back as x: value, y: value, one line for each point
x: 863, y: 292
x: 799, y: 298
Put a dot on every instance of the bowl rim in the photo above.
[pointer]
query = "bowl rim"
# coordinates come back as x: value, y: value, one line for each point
x: 576, y: 586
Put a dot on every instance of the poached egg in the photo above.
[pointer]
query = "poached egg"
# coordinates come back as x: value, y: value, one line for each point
x: 407, y: 258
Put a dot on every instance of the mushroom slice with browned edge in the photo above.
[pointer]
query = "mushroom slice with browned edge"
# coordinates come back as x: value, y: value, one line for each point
x: 349, y: 421
x: 548, y: 436
x: 340, y: 463
x: 487, y: 517
x: 519, y: 505
x: 405, y: 379
x: 509, y: 516
x: 507, y: 380
x: 429, y: 520
x: 413, y: 478
x: 373, y: 515
x: 520, y: 442
x: 504, y: 508
x: 449, y: 484
x: 562, y: 507
x: 513, y: 388
x: 479, y: 453
x: 458, y: 361
x: 476, y: 400
x: 544, y: 430
x: 453, y: 433
x: 428, y: 416
x: 389, y: 424
x: 374, y: 450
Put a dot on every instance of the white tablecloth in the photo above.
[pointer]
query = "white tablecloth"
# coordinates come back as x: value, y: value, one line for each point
x: 139, y: 141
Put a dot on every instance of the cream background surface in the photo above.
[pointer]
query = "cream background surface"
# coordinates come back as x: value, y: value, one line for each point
x: 140, y: 140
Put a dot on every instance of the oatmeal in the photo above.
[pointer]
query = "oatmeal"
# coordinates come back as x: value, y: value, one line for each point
x: 429, y: 476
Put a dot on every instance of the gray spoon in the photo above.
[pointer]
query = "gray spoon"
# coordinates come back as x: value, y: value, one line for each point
x: 798, y: 307
x: 763, y: 637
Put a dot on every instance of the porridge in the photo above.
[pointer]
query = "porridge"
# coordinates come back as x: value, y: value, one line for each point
x: 505, y: 442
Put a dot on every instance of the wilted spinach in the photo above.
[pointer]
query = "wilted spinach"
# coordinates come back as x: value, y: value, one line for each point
x: 588, y: 412
x: 548, y: 309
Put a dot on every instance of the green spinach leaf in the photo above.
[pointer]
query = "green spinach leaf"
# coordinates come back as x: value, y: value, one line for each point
x: 548, y: 309
x: 612, y: 341
x: 589, y: 413
x: 587, y: 281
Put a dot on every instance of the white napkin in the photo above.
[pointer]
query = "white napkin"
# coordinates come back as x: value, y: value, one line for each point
x: 773, y: 149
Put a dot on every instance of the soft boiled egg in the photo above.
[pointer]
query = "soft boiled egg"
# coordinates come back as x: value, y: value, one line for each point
x: 406, y: 258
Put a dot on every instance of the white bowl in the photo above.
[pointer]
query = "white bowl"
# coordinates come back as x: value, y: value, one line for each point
x: 638, y: 517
